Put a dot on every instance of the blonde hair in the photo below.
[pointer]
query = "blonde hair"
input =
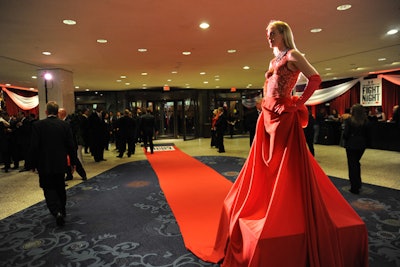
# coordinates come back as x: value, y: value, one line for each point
x: 284, y: 29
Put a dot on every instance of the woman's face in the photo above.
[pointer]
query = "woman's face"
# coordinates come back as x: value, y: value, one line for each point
x: 274, y: 37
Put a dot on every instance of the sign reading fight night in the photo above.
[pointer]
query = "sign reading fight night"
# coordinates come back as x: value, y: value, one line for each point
x: 371, y: 92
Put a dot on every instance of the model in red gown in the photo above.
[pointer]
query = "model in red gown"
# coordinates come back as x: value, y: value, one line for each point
x: 283, y: 210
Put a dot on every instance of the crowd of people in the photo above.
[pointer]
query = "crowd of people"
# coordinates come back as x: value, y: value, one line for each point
x: 93, y: 131
x: 14, y: 144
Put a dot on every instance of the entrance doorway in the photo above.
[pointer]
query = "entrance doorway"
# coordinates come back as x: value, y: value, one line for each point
x: 176, y: 118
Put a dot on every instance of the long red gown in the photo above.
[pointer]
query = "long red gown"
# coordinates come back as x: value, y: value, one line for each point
x: 283, y: 210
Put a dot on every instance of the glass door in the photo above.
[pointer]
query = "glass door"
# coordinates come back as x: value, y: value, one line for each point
x: 176, y: 118
x: 190, y: 119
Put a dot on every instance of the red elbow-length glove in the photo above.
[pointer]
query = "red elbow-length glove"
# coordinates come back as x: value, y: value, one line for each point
x: 313, y: 84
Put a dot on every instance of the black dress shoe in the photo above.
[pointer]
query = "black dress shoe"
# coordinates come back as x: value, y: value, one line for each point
x: 60, y: 219
x: 68, y: 178
x: 84, y: 178
x: 354, y: 191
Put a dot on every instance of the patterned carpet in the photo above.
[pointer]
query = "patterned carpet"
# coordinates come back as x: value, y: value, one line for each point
x: 121, y: 218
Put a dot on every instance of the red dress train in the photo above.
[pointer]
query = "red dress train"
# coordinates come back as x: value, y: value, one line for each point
x: 283, y: 210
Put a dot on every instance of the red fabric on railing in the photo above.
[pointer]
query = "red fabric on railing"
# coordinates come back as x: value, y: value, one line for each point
x: 12, y: 107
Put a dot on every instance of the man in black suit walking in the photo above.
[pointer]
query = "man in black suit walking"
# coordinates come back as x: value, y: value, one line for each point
x: 51, y: 143
x: 125, y: 129
x: 147, y: 128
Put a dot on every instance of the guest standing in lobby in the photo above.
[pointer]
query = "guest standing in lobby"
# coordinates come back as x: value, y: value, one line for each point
x: 51, y: 143
x: 63, y: 115
x: 213, y: 129
x: 309, y: 132
x: 147, y: 128
x: 125, y: 128
x: 221, y: 125
x: 97, y: 134
x: 355, y: 137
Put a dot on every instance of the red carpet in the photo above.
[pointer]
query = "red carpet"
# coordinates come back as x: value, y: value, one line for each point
x: 195, y: 193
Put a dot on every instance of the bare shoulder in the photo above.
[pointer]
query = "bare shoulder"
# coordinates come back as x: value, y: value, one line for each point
x: 297, y: 61
x: 295, y: 56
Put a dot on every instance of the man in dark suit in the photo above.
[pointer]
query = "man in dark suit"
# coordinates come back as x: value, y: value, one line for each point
x: 51, y: 143
x: 62, y: 115
x: 97, y: 135
x: 125, y: 129
x: 251, y: 119
x: 147, y: 128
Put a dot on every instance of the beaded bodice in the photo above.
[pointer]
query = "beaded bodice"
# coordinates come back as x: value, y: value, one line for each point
x: 281, y: 79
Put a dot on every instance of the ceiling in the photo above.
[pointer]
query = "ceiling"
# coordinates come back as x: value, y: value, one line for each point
x: 351, y: 42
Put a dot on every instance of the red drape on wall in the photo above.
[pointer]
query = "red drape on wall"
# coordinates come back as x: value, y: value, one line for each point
x: 346, y: 100
x: 11, y: 106
x: 390, y: 97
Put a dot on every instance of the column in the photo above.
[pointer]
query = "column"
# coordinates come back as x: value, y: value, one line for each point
x: 59, y: 88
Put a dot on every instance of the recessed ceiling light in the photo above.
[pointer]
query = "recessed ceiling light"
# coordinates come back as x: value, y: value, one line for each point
x: 46, y: 53
x: 123, y: 77
x: 202, y: 73
x: 142, y: 50
x: 343, y: 7
x: 102, y: 41
x: 246, y: 67
x: 127, y: 83
x: 393, y: 31
x: 186, y: 53
x: 328, y: 68
x: 76, y: 86
x: 204, y: 25
x: 315, y: 30
x: 87, y: 89
x: 382, y: 59
x: 144, y: 73
x: 174, y: 72
x: 231, y: 51
x: 205, y: 82
x: 69, y: 22
x: 34, y: 77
